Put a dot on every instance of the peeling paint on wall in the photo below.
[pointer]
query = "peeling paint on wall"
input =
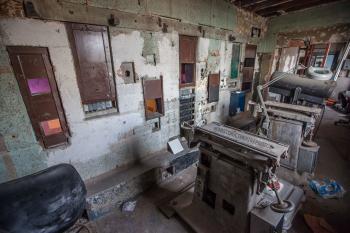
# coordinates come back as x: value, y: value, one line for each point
x: 245, y: 21
x: 213, y: 60
x: 97, y: 145
x: 100, y: 144
x: 323, y: 16
x: 331, y: 34
x: 150, y: 48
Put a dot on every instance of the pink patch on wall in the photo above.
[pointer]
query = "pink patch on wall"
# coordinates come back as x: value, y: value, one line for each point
x: 39, y: 86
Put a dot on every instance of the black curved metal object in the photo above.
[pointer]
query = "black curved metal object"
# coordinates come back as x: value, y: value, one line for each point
x: 48, y: 201
x: 318, y: 88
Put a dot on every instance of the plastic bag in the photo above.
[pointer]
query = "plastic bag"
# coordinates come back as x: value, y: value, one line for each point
x: 327, y: 188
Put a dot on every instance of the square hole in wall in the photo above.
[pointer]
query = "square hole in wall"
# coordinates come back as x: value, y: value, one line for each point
x: 156, y: 126
x: 128, y: 72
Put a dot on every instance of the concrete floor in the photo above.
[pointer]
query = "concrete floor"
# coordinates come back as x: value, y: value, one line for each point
x: 333, y: 163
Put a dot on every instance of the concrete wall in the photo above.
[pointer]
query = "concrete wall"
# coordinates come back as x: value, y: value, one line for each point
x: 322, y: 24
x: 97, y: 144
x: 102, y: 143
x: 309, y: 19
x: 217, y: 13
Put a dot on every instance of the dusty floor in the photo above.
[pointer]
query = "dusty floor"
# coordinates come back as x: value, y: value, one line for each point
x: 334, y: 162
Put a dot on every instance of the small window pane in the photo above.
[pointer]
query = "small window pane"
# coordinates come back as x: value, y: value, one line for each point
x: 154, y: 107
x: 98, y: 106
x: 51, y: 127
x: 39, y: 86
x: 187, y: 72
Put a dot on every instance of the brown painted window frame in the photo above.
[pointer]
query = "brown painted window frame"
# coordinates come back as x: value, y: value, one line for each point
x: 185, y: 61
x: 24, y: 89
x: 248, y: 69
x: 213, y: 83
x: 106, y: 38
x: 147, y: 117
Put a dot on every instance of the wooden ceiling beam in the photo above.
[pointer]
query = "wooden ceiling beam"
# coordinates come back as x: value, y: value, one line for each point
x: 309, y: 5
x: 247, y: 3
x: 291, y: 5
x: 266, y: 4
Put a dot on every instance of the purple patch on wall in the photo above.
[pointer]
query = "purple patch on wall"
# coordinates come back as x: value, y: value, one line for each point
x: 39, y: 86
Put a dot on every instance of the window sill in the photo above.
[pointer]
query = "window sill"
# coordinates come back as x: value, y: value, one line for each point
x: 189, y: 85
x: 151, y: 115
x: 99, y: 114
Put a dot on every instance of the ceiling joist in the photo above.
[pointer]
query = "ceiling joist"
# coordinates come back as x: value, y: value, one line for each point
x: 269, y: 8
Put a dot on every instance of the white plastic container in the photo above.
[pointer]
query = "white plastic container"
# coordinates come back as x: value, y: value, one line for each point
x: 319, y: 73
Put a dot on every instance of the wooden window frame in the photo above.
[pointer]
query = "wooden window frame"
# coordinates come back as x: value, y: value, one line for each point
x: 246, y: 71
x: 109, y: 61
x: 213, y: 86
x: 144, y: 80
x: 185, y: 61
x: 14, y: 51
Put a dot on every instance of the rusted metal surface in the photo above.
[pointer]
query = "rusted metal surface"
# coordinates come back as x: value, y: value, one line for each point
x: 243, y: 163
x: 213, y: 87
x: 289, y: 132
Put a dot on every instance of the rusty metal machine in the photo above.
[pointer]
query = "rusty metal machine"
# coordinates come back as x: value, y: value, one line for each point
x: 294, y: 89
x: 236, y: 189
x: 291, y: 123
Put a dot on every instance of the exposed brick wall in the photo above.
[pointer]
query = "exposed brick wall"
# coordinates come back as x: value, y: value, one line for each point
x: 12, y: 8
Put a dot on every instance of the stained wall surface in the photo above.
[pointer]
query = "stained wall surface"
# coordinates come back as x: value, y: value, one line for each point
x: 309, y: 19
x: 101, y: 143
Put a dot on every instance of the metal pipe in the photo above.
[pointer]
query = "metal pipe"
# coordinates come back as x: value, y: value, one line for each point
x: 261, y: 99
x: 259, y: 88
x: 340, y: 64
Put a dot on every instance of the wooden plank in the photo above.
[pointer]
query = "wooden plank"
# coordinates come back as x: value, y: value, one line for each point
x: 291, y: 5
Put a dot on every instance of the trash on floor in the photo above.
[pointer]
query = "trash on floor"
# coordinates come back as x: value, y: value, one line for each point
x: 318, y: 225
x: 327, y: 188
x: 129, y: 206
